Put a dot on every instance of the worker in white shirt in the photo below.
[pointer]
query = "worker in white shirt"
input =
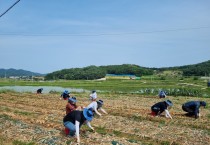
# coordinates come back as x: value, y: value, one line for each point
x: 93, y: 104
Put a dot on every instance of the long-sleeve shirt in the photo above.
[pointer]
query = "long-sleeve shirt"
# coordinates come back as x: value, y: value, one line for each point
x: 64, y: 95
x: 77, y: 118
x: 70, y: 107
x: 194, y: 106
x: 162, y: 107
x: 94, y: 106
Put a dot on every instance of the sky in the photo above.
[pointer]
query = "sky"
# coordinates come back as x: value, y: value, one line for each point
x: 49, y: 35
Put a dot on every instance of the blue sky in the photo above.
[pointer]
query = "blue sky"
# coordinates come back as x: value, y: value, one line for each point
x: 49, y: 35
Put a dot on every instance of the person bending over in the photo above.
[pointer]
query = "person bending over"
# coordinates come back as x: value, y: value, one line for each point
x: 75, y: 119
x: 192, y: 108
x: 160, y: 107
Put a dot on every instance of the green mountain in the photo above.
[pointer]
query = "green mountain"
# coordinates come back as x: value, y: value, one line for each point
x: 17, y: 72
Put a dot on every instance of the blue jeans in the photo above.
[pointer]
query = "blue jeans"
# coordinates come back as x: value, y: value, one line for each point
x: 71, y: 127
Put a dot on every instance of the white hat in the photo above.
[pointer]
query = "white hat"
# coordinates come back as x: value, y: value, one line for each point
x: 93, y: 96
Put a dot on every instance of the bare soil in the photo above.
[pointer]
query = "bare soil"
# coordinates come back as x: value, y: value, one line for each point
x: 32, y: 118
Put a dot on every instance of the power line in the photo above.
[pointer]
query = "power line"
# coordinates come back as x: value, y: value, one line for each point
x: 107, y: 34
x: 9, y: 8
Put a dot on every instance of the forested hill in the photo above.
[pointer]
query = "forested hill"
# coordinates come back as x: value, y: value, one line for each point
x: 96, y: 72
x: 17, y: 72
x: 200, y: 69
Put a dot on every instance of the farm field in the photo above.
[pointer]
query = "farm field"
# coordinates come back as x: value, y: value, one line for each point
x: 146, y: 86
x: 28, y: 118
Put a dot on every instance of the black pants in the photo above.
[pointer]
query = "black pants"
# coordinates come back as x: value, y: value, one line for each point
x: 188, y: 110
x: 156, y: 110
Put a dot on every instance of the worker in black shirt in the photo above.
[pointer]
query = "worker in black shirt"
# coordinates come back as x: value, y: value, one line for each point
x: 160, y: 107
x: 75, y: 119
x: 39, y: 91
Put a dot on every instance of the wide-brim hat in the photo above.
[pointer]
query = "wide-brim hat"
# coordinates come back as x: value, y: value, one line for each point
x: 169, y: 103
x: 66, y: 92
x: 72, y: 100
x: 100, y: 102
x: 88, y: 113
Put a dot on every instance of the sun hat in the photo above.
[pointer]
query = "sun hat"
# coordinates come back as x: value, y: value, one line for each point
x: 66, y: 92
x: 202, y: 103
x: 88, y: 113
x: 100, y: 102
x: 93, y: 96
x: 72, y: 99
x: 169, y: 103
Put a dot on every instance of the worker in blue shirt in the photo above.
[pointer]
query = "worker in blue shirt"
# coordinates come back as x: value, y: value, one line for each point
x: 162, y: 94
x: 192, y: 107
x: 65, y: 95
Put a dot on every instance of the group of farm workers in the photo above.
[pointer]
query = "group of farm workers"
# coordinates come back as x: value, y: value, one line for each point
x: 76, y: 116
x: 191, y: 107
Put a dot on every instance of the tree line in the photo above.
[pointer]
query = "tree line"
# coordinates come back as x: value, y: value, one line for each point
x: 200, y: 69
x: 97, y: 72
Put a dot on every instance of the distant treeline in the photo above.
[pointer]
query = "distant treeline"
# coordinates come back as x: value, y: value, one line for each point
x: 97, y: 72
x: 200, y: 69
x: 94, y: 72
